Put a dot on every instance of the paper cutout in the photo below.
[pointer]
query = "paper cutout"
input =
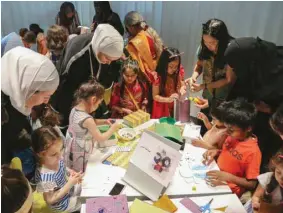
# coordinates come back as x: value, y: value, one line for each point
x: 123, y: 149
x: 166, y: 204
x: 169, y: 131
x: 113, y: 204
x: 191, y: 205
x: 142, y: 207
x: 222, y: 209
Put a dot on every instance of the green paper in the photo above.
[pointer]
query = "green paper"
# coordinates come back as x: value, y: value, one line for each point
x: 105, y: 128
x: 169, y: 131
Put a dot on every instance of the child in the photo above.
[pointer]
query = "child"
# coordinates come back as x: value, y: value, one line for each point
x: 217, y: 132
x: 239, y: 159
x: 59, y: 191
x: 131, y: 94
x: 276, y: 121
x: 168, y: 84
x: 82, y: 131
x: 16, y: 193
x: 270, y: 186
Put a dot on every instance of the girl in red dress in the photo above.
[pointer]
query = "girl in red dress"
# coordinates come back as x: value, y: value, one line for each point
x: 169, y: 84
x: 130, y: 94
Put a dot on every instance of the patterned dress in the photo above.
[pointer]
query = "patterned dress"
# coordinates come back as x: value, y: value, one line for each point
x: 126, y: 101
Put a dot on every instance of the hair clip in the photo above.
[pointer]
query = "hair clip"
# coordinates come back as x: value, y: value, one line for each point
x: 176, y: 55
x: 280, y: 156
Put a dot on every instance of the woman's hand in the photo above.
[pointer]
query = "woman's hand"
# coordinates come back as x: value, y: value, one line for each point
x: 183, y: 90
x: 127, y: 111
x: 263, y: 107
x: 190, y: 81
x: 197, y: 87
x: 204, y: 103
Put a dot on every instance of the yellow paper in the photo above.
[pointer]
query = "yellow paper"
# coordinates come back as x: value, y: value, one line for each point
x: 222, y: 209
x: 166, y: 204
x: 142, y: 207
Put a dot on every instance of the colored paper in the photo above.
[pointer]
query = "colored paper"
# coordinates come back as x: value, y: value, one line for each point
x: 166, y: 204
x: 191, y: 205
x: 142, y: 207
x: 169, y: 131
x: 113, y: 204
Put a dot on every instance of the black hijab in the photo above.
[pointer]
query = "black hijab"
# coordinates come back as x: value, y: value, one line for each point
x: 258, y: 65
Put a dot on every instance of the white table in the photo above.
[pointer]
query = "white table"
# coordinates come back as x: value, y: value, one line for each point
x: 231, y: 200
x: 96, y: 185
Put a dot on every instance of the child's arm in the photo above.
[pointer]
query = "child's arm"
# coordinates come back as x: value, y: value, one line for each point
x: 205, y: 120
x: 96, y: 134
x: 216, y: 176
x: 55, y: 196
x: 257, y: 196
x: 201, y: 143
x: 158, y: 98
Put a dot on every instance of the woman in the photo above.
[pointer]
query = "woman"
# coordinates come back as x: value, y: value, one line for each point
x: 28, y: 79
x: 105, y: 15
x: 68, y: 18
x: 82, y: 59
x: 56, y: 41
x: 258, y: 65
x: 16, y: 193
x: 40, y: 38
x: 217, y: 75
x: 144, y: 44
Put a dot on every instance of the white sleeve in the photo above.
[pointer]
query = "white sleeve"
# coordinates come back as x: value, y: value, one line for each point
x: 264, y: 179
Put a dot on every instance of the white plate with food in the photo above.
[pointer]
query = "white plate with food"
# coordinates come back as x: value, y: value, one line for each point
x: 127, y: 134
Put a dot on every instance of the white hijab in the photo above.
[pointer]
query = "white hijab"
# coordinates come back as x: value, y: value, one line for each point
x: 107, y: 39
x: 23, y: 73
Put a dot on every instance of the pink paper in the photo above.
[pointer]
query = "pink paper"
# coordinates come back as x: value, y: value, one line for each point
x: 191, y: 205
x: 111, y: 204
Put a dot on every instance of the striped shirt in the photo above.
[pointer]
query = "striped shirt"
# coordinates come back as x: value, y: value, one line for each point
x: 49, y: 180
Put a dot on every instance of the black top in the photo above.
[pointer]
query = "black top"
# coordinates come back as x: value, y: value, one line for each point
x: 16, y: 131
x: 74, y: 69
x: 113, y: 19
x: 258, y: 65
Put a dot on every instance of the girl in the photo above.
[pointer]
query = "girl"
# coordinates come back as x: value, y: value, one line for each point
x: 59, y: 191
x: 131, y: 94
x: 68, y: 18
x: 168, y: 84
x: 83, y: 131
x: 40, y: 38
x: 16, y: 192
x: 270, y: 186
x: 216, y: 134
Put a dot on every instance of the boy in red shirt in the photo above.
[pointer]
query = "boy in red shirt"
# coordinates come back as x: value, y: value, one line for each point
x: 240, y: 157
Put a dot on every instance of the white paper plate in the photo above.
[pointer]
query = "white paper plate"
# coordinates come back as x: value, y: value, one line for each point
x: 127, y: 133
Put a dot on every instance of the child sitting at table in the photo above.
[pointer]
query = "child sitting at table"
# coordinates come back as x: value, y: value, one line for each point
x: 270, y: 187
x: 240, y: 157
x: 131, y: 94
x: 169, y: 83
x: 82, y: 131
x: 59, y: 190
x: 217, y: 132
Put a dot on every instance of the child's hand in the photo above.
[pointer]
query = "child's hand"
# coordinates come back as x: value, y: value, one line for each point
x: 209, y: 156
x: 202, y: 117
x: 218, y: 175
x: 214, y: 182
x: 197, y: 143
x: 116, y: 126
x: 75, y: 178
x: 173, y: 97
x: 127, y: 111
x: 255, y: 203
x: 183, y: 90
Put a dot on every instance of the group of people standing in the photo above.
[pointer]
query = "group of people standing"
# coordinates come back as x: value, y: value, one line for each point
x: 63, y: 86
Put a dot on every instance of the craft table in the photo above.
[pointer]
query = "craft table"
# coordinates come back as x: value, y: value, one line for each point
x: 231, y: 200
x: 99, y: 178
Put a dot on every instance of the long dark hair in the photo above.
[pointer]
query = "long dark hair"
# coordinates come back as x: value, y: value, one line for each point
x: 168, y: 55
x: 218, y: 30
x: 276, y: 160
x: 105, y: 11
x: 64, y: 20
x: 133, y: 65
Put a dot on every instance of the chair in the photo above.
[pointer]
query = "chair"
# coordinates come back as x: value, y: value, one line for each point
x: 107, y: 94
